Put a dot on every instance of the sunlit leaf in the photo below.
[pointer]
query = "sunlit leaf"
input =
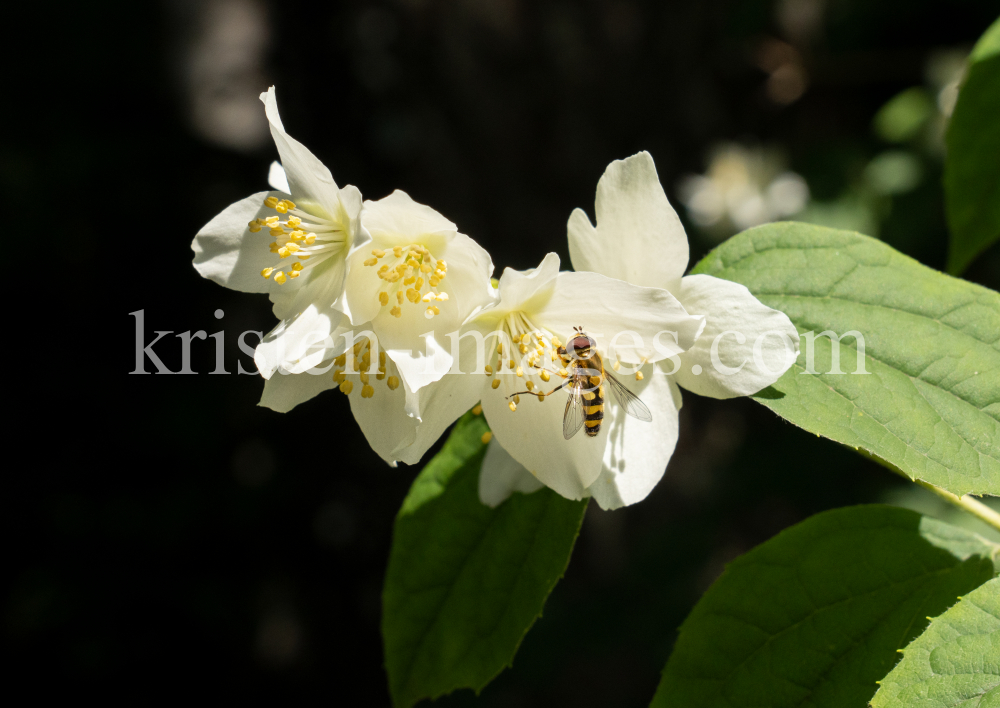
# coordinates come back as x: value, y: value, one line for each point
x: 955, y: 662
x: 930, y: 402
x: 466, y: 582
x: 972, y: 168
x: 815, y: 616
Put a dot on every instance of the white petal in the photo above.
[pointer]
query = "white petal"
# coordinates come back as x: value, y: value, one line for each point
x: 383, y: 418
x: 285, y: 391
x: 440, y: 404
x: 225, y: 251
x: 519, y: 286
x: 730, y: 307
x: 501, y: 475
x: 638, y: 452
x: 607, y: 309
x: 310, y: 323
x: 533, y: 436
x: 309, y: 180
x: 277, y: 178
x: 638, y: 238
x: 399, y: 216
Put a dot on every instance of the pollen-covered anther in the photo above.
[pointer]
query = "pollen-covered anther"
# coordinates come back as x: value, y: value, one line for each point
x: 383, y: 297
x: 638, y: 376
x: 496, y: 384
x: 339, y: 377
x: 396, y: 311
x: 254, y: 226
x: 367, y: 391
x: 392, y: 383
x: 541, y: 397
x: 371, y: 261
x: 512, y: 406
x: 530, y: 385
x: 489, y: 370
x: 563, y: 373
x: 346, y: 387
x: 544, y: 376
x: 520, y: 371
x: 280, y: 277
x: 431, y: 311
x: 267, y: 272
x: 364, y: 377
x: 517, y: 399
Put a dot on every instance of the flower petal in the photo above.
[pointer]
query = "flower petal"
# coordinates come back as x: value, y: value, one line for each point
x: 225, y: 251
x: 638, y: 452
x: 608, y: 309
x: 308, y: 178
x: 518, y: 286
x: 308, y: 317
x: 277, y: 178
x: 533, y: 436
x: 731, y: 308
x: 285, y: 391
x: 440, y: 404
x: 383, y: 418
x: 638, y: 237
x: 502, y: 475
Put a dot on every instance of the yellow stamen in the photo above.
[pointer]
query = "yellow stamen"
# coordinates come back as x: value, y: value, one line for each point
x: 367, y: 391
x: 396, y: 312
x: 495, y: 384
x: 383, y: 297
x: 378, y: 253
x: 512, y: 406
x: 392, y: 383
x: 280, y: 278
x: 530, y: 385
x: 253, y: 226
x: 339, y: 377
x: 267, y: 272
x: 431, y: 311
x: 371, y: 261
x: 297, y: 266
x: 364, y: 377
x: 638, y: 376
x: 544, y: 376
x: 517, y: 399
x: 271, y: 202
x: 340, y: 360
x: 347, y: 387
x: 563, y: 373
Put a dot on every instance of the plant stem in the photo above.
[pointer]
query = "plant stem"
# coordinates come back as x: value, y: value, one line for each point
x: 966, y: 503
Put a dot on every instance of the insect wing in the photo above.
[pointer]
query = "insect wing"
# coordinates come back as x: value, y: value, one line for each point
x: 626, y: 399
x: 573, y: 417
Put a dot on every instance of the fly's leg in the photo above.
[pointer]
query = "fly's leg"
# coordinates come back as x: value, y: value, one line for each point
x: 535, y: 393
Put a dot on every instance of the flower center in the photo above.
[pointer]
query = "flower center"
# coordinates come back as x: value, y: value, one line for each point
x: 525, y: 357
x: 408, y: 271
x: 362, y: 362
x: 310, y: 238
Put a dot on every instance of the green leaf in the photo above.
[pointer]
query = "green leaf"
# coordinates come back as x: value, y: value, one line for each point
x: 956, y: 662
x: 466, y: 582
x: 930, y: 404
x: 814, y: 616
x: 972, y: 168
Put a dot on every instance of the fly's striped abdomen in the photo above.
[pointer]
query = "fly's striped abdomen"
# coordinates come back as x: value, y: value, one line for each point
x: 594, y: 407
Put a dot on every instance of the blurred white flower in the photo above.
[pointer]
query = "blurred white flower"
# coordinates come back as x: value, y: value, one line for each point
x: 743, y: 187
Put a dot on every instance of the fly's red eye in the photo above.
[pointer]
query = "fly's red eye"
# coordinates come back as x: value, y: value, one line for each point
x: 581, y: 344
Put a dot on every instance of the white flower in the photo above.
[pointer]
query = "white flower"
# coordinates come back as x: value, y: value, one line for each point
x: 638, y: 238
x: 516, y: 342
x: 292, y: 244
x: 416, y: 280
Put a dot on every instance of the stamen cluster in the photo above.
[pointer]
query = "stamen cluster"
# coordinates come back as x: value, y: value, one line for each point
x: 406, y: 271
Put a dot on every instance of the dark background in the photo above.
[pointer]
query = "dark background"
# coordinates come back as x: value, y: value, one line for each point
x: 165, y: 533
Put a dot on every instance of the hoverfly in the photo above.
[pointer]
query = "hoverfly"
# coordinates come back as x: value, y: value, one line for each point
x: 587, y: 376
